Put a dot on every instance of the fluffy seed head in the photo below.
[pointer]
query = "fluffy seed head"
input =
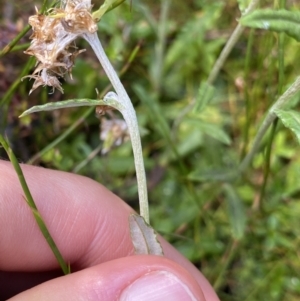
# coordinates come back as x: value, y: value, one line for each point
x: 52, y: 37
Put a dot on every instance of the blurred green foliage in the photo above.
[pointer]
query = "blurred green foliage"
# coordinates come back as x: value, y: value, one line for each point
x: 245, y: 241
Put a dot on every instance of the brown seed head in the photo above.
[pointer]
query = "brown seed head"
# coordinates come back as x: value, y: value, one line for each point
x: 51, y: 39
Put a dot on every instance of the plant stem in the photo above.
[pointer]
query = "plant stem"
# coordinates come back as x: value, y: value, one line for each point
x: 61, y: 137
x: 105, y: 8
x: 229, y: 45
x: 270, y: 117
x: 246, y: 94
x: 225, y: 262
x: 160, y: 46
x: 30, y: 63
x: 128, y: 112
x: 11, y: 45
x: 29, y: 199
x: 267, y: 167
x: 86, y: 113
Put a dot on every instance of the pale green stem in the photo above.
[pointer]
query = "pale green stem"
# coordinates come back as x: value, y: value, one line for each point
x: 229, y: 45
x: 270, y: 117
x: 29, y: 199
x: 125, y: 106
x: 105, y: 8
x: 160, y: 46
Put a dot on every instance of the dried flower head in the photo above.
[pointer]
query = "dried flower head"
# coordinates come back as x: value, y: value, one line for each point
x: 52, y: 37
x: 113, y: 133
x: 78, y: 17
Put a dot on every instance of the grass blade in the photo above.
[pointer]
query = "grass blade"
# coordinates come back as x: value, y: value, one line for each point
x: 28, y: 197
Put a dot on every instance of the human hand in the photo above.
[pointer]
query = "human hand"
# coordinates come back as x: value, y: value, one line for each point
x: 90, y: 227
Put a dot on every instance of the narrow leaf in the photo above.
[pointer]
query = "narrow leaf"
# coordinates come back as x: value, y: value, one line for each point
x: 215, y: 132
x: 65, y: 267
x: 50, y: 106
x: 107, y: 6
x: 291, y: 119
x: 214, y: 175
x: 274, y: 20
x: 243, y: 4
x: 143, y: 237
x: 205, y: 94
x: 236, y: 212
x: 33, y: 207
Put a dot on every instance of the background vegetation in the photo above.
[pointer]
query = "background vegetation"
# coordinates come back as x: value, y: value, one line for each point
x: 244, y: 233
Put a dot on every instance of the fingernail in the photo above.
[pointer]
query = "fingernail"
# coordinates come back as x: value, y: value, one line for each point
x: 157, y: 286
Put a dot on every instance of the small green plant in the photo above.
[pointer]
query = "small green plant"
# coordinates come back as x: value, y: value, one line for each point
x: 51, y: 43
x: 54, y: 49
x: 215, y: 83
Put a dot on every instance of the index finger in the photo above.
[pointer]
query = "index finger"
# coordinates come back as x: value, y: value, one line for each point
x: 88, y: 223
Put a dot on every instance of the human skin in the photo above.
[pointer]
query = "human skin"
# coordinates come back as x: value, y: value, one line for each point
x: 90, y: 227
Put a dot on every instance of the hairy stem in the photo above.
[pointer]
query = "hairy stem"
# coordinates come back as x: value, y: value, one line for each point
x: 128, y: 112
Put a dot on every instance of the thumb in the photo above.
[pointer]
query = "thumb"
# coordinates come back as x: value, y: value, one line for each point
x: 147, y: 278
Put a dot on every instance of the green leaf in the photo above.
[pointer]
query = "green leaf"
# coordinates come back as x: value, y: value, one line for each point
x: 243, y: 4
x: 156, y: 111
x: 274, y: 20
x: 109, y: 100
x: 107, y: 6
x: 215, y: 132
x: 291, y: 119
x: 50, y: 106
x: 236, y: 212
x: 205, y: 94
x: 212, y: 174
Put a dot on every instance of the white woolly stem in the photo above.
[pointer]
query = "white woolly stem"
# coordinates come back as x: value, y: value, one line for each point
x: 129, y: 115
